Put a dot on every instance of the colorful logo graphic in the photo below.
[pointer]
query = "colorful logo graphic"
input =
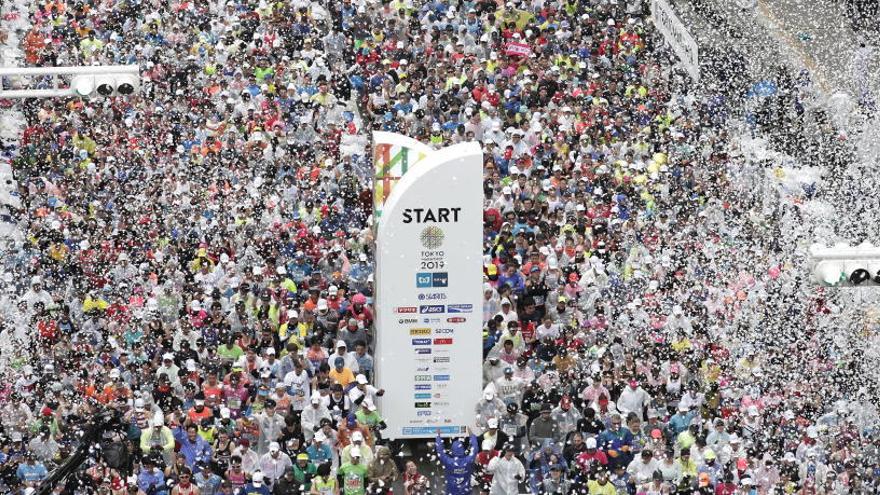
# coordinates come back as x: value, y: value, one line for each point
x: 432, y: 237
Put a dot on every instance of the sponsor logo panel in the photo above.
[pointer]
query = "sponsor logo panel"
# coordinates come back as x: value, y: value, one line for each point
x: 461, y: 308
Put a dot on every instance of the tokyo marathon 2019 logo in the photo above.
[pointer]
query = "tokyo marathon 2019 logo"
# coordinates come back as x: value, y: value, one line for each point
x: 432, y: 237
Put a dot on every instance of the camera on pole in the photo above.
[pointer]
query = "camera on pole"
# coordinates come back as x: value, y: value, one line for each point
x: 843, y: 265
x: 95, y: 81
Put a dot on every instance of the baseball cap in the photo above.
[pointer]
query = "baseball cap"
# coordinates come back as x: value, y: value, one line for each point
x: 302, y: 456
x: 361, y: 379
x: 357, y: 437
x: 274, y: 447
x: 590, y: 443
x: 257, y: 478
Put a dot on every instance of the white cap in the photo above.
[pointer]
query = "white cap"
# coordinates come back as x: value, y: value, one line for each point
x: 274, y: 447
x: 257, y: 478
x: 270, y: 350
x: 361, y: 379
x: 493, y: 422
x: 114, y: 373
x: 505, y: 301
x: 341, y: 343
x: 225, y: 413
x: 316, y: 398
x: 369, y: 405
x: 506, y: 190
x: 332, y: 289
x: 357, y: 437
x: 167, y: 357
x: 591, y: 443
x: 320, y: 436
x: 489, y: 395
x: 139, y: 404
x: 292, y: 313
x: 322, y: 305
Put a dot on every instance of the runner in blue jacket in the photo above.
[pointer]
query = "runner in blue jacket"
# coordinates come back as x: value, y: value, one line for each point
x: 458, y: 467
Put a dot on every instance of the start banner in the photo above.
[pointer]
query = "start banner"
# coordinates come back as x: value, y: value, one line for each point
x: 429, y: 242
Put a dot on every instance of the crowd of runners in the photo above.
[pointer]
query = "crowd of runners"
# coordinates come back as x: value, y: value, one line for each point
x: 198, y: 261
